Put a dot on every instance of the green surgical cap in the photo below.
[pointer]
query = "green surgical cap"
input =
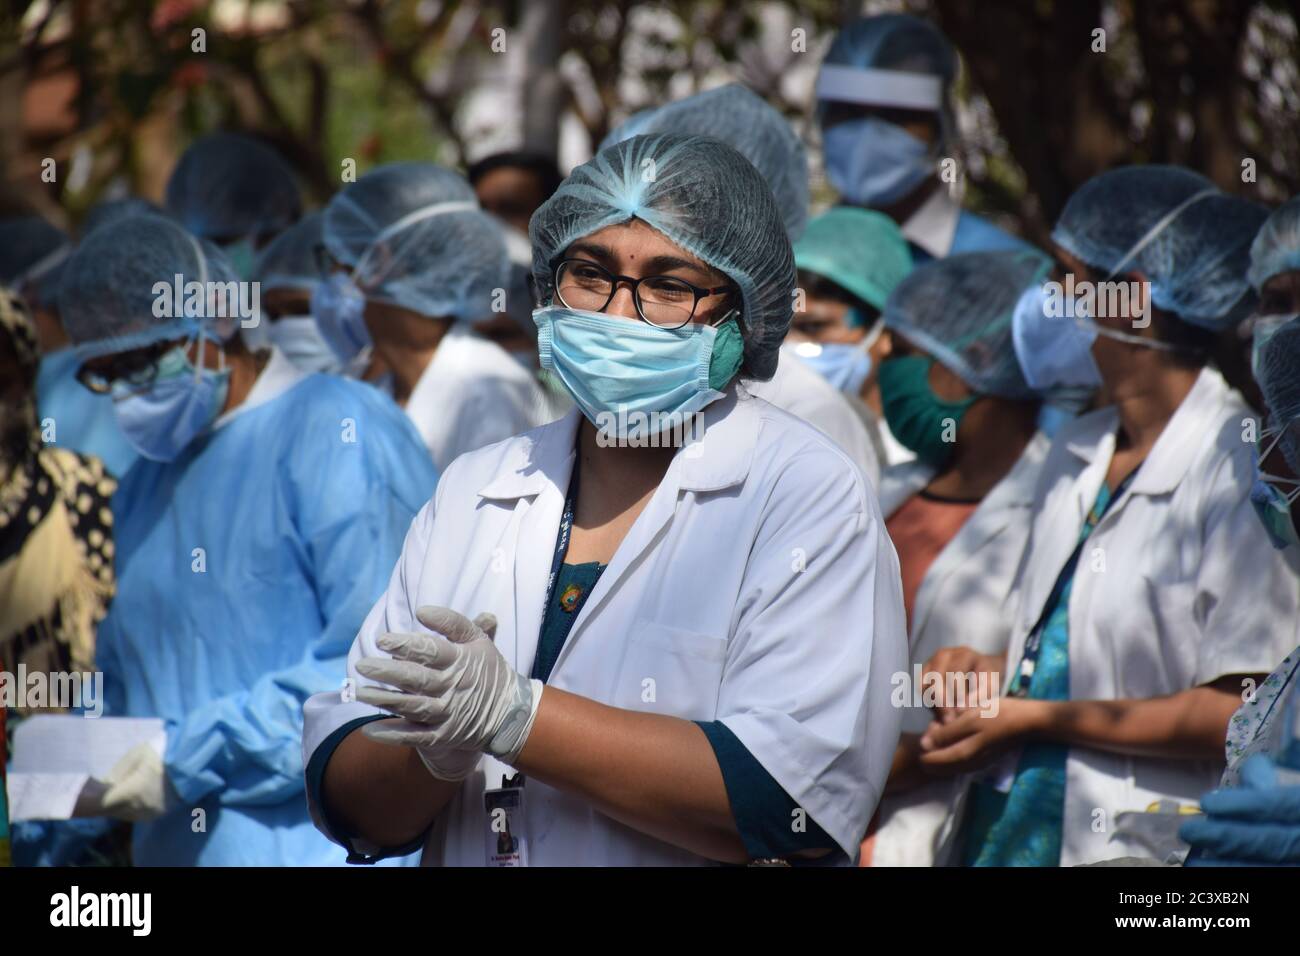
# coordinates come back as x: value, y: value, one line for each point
x: 861, y: 251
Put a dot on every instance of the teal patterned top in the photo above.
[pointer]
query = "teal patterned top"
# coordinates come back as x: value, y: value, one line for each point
x: 1023, y: 826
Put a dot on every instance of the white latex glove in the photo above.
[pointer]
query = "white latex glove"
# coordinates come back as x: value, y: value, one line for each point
x: 455, y: 690
x: 137, y: 786
x: 452, y: 764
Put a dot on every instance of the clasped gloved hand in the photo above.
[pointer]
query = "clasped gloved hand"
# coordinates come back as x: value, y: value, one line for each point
x: 136, y: 789
x: 1256, y: 823
x: 456, y: 693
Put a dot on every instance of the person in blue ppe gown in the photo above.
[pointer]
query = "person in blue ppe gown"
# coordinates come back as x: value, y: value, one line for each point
x: 1254, y: 818
x: 252, y: 536
x: 71, y: 416
x: 885, y: 112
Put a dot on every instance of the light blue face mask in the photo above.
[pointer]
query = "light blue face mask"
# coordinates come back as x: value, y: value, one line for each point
x: 1272, y: 505
x: 1054, y: 352
x: 625, y: 375
x: 184, y: 400
x: 300, y: 340
x: 340, y: 312
x: 844, y: 365
x: 872, y: 162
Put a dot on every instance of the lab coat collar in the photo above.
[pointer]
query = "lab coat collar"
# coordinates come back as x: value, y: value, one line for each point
x: 934, y: 224
x: 1184, y: 437
x: 718, y: 459
x: 545, y: 459
x: 1093, y: 438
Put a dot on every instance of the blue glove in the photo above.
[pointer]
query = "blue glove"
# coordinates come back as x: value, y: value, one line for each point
x: 1256, y: 824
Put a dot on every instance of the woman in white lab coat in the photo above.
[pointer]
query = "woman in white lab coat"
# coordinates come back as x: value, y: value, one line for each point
x: 959, y: 515
x: 1148, y: 594
x: 683, y: 654
x: 415, y: 262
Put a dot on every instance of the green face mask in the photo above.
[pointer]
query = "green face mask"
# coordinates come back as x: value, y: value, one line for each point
x: 917, y: 417
x: 728, y: 353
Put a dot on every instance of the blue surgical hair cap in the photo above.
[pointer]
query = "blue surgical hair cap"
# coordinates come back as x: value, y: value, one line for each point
x: 1190, y: 240
x: 228, y: 186
x: 701, y: 194
x: 959, y: 309
x: 1276, y: 248
x: 748, y: 124
x: 125, y: 272
x: 414, y: 235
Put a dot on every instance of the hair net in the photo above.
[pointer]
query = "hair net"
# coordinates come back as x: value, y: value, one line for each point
x: 1187, y: 238
x: 1279, y: 380
x: 892, y: 60
x: 227, y: 186
x: 959, y: 310
x: 748, y: 124
x: 702, y: 195
x: 31, y: 250
x: 125, y: 272
x: 291, y: 260
x: 111, y: 210
x: 861, y: 251
x: 1276, y: 248
x: 415, y: 236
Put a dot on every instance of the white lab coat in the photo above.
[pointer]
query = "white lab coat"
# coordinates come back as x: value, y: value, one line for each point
x: 1176, y: 587
x: 472, y: 393
x: 961, y: 602
x: 803, y: 393
x: 757, y: 588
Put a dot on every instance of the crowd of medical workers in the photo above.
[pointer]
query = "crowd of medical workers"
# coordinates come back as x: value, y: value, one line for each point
x: 970, y: 561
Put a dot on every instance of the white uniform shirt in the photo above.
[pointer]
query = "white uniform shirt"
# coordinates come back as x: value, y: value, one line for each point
x: 472, y: 393
x: 758, y: 587
x: 1176, y: 586
x: 962, y: 601
x: 803, y: 393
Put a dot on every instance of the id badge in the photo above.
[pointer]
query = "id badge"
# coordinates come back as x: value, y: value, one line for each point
x: 507, y: 841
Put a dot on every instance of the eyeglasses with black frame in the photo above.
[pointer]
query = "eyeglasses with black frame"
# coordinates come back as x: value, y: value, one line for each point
x: 137, y: 368
x: 666, y: 302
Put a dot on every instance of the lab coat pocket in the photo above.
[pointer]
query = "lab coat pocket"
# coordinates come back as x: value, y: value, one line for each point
x: 1177, y: 635
x: 668, y: 670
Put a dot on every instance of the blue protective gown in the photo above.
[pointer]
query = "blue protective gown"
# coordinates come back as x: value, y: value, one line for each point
x: 300, y: 529
x: 83, y: 421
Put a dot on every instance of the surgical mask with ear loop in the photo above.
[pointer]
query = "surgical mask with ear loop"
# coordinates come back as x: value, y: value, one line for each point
x: 1272, y: 504
x: 625, y: 373
x: 870, y: 161
x: 1089, y: 324
x: 183, y: 401
x: 339, y: 302
x: 299, y: 338
x: 845, y: 365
